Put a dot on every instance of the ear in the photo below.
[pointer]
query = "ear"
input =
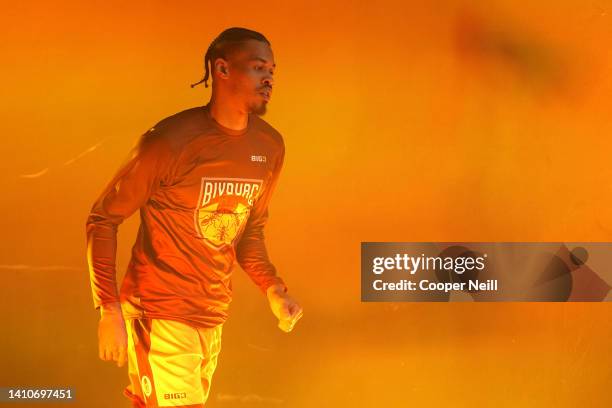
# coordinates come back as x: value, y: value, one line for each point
x: 222, y: 67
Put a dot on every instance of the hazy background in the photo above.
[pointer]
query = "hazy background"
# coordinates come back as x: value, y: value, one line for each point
x: 403, y: 121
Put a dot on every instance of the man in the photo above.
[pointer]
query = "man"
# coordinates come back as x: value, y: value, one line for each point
x: 202, y: 180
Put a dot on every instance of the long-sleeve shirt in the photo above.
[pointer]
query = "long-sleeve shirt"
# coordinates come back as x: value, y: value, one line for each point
x: 203, y: 192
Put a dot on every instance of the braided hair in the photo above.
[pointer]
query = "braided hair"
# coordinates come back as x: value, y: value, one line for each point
x: 225, y: 43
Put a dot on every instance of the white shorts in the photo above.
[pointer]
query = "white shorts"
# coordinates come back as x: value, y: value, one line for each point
x: 170, y: 363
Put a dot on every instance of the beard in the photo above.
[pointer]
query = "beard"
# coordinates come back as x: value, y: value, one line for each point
x: 259, y: 108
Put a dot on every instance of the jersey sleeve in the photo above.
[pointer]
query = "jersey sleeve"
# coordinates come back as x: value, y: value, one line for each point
x: 131, y: 187
x: 251, y: 250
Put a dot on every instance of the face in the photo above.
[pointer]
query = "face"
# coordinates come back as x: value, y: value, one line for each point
x: 250, y: 75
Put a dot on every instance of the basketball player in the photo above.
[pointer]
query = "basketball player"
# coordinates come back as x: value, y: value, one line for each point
x: 202, y: 179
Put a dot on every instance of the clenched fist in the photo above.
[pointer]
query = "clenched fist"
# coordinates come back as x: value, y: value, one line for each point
x: 284, y: 307
x: 112, y: 336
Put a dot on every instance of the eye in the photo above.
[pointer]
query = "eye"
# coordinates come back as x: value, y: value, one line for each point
x: 258, y: 67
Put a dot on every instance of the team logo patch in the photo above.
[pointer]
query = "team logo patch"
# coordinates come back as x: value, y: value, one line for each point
x: 146, y: 385
x: 224, y: 207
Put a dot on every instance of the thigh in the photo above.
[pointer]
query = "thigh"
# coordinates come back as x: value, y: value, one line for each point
x: 168, y: 357
x: 210, y: 339
x: 133, y: 391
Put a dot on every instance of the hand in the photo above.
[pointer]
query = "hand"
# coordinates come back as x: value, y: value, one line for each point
x: 284, y: 307
x: 112, y: 336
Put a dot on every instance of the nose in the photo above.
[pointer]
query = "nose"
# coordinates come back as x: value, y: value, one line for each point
x: 268, y: 80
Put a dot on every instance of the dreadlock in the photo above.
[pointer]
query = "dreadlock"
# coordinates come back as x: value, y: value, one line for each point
x: 225, y: 44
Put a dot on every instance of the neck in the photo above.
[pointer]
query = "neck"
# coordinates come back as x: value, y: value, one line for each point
x: 227, y: 113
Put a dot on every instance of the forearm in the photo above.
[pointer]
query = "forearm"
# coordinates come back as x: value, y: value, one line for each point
x: 252, y: 256
x: 101, y: 256
x: 253, y: 259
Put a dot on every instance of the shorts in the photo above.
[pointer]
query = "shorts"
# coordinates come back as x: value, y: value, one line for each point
x: 170, y: 363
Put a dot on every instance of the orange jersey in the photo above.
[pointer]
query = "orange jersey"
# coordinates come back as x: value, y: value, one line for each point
x: 203, y: 192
